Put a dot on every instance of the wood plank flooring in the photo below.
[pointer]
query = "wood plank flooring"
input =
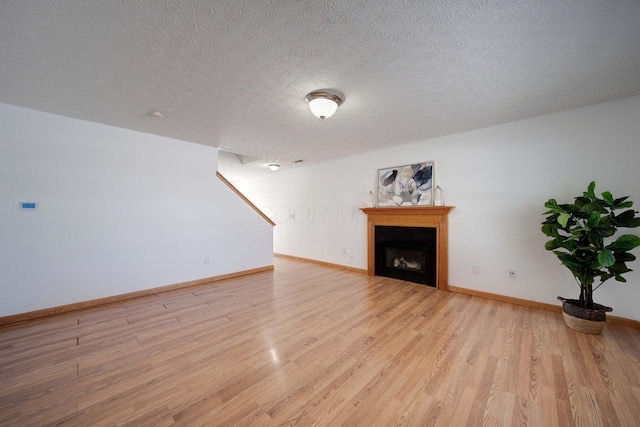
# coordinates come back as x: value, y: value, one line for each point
x: 307, y: 345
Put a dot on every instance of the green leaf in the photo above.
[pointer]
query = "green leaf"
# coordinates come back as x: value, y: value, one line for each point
x: 626, y: 219
x: 550, y: 230
x: 608, y: 198
x: 619, y: 268
x: 551, y: 245
x: 563, y: 219
x: 628, y: 214
x: 594, y: 219
x: 620, y: 278
x: 590, y: 207
x: 570, y: 261
x: 624, y: 257
x: 630, y: 223
x: 590, y: 193
x: 568, y: 244
x: 552, y: 204
x: 626, y: 242
x: 587, y: 207
x: 581, y: 201
x: 620, y: 203
x: 596, y: 240
x: 605, y: 230
x: 606, y: 258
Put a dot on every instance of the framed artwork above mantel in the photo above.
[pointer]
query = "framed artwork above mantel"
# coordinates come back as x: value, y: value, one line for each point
x: 407, y: 185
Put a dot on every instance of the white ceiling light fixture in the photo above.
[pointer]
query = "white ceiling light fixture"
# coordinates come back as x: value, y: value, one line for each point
x: 274, y: 167
x: 323, y: 104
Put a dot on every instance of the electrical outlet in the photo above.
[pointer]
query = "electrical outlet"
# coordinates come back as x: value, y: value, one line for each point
x: 475, y: 269
x: 344, y: 251
x: 512, y: 274
x: 206, y: 260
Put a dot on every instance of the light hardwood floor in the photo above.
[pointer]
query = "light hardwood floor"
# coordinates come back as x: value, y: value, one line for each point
x: 307, y: 345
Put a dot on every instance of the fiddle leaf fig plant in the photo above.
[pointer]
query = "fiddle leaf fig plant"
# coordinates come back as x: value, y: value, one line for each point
x: 583, y: 237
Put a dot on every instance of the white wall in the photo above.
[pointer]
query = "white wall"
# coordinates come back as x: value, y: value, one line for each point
x: 119, y: 211
x: 498, y: 178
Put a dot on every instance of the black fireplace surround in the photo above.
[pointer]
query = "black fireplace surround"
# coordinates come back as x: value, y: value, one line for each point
x: 406, y: 253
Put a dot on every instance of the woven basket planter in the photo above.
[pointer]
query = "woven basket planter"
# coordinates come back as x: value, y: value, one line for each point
x: 588, y: 321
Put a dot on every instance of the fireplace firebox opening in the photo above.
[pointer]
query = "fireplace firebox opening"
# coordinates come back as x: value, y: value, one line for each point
x: 406, y: 253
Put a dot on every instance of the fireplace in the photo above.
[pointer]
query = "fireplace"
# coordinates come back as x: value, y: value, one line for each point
x: 407, y: 253
x: 430, y: 249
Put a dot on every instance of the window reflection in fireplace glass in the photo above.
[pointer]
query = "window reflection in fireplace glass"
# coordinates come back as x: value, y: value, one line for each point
x: 406, y: 259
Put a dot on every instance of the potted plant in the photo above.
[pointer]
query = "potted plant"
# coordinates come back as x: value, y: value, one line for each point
x: 583, y: 237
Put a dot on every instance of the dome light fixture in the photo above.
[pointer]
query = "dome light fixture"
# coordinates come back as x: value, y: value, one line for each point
x: 323, y: 104
x: 273, y: 166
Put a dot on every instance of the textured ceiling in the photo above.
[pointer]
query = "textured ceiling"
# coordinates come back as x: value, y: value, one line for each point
x: 233, y: 74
